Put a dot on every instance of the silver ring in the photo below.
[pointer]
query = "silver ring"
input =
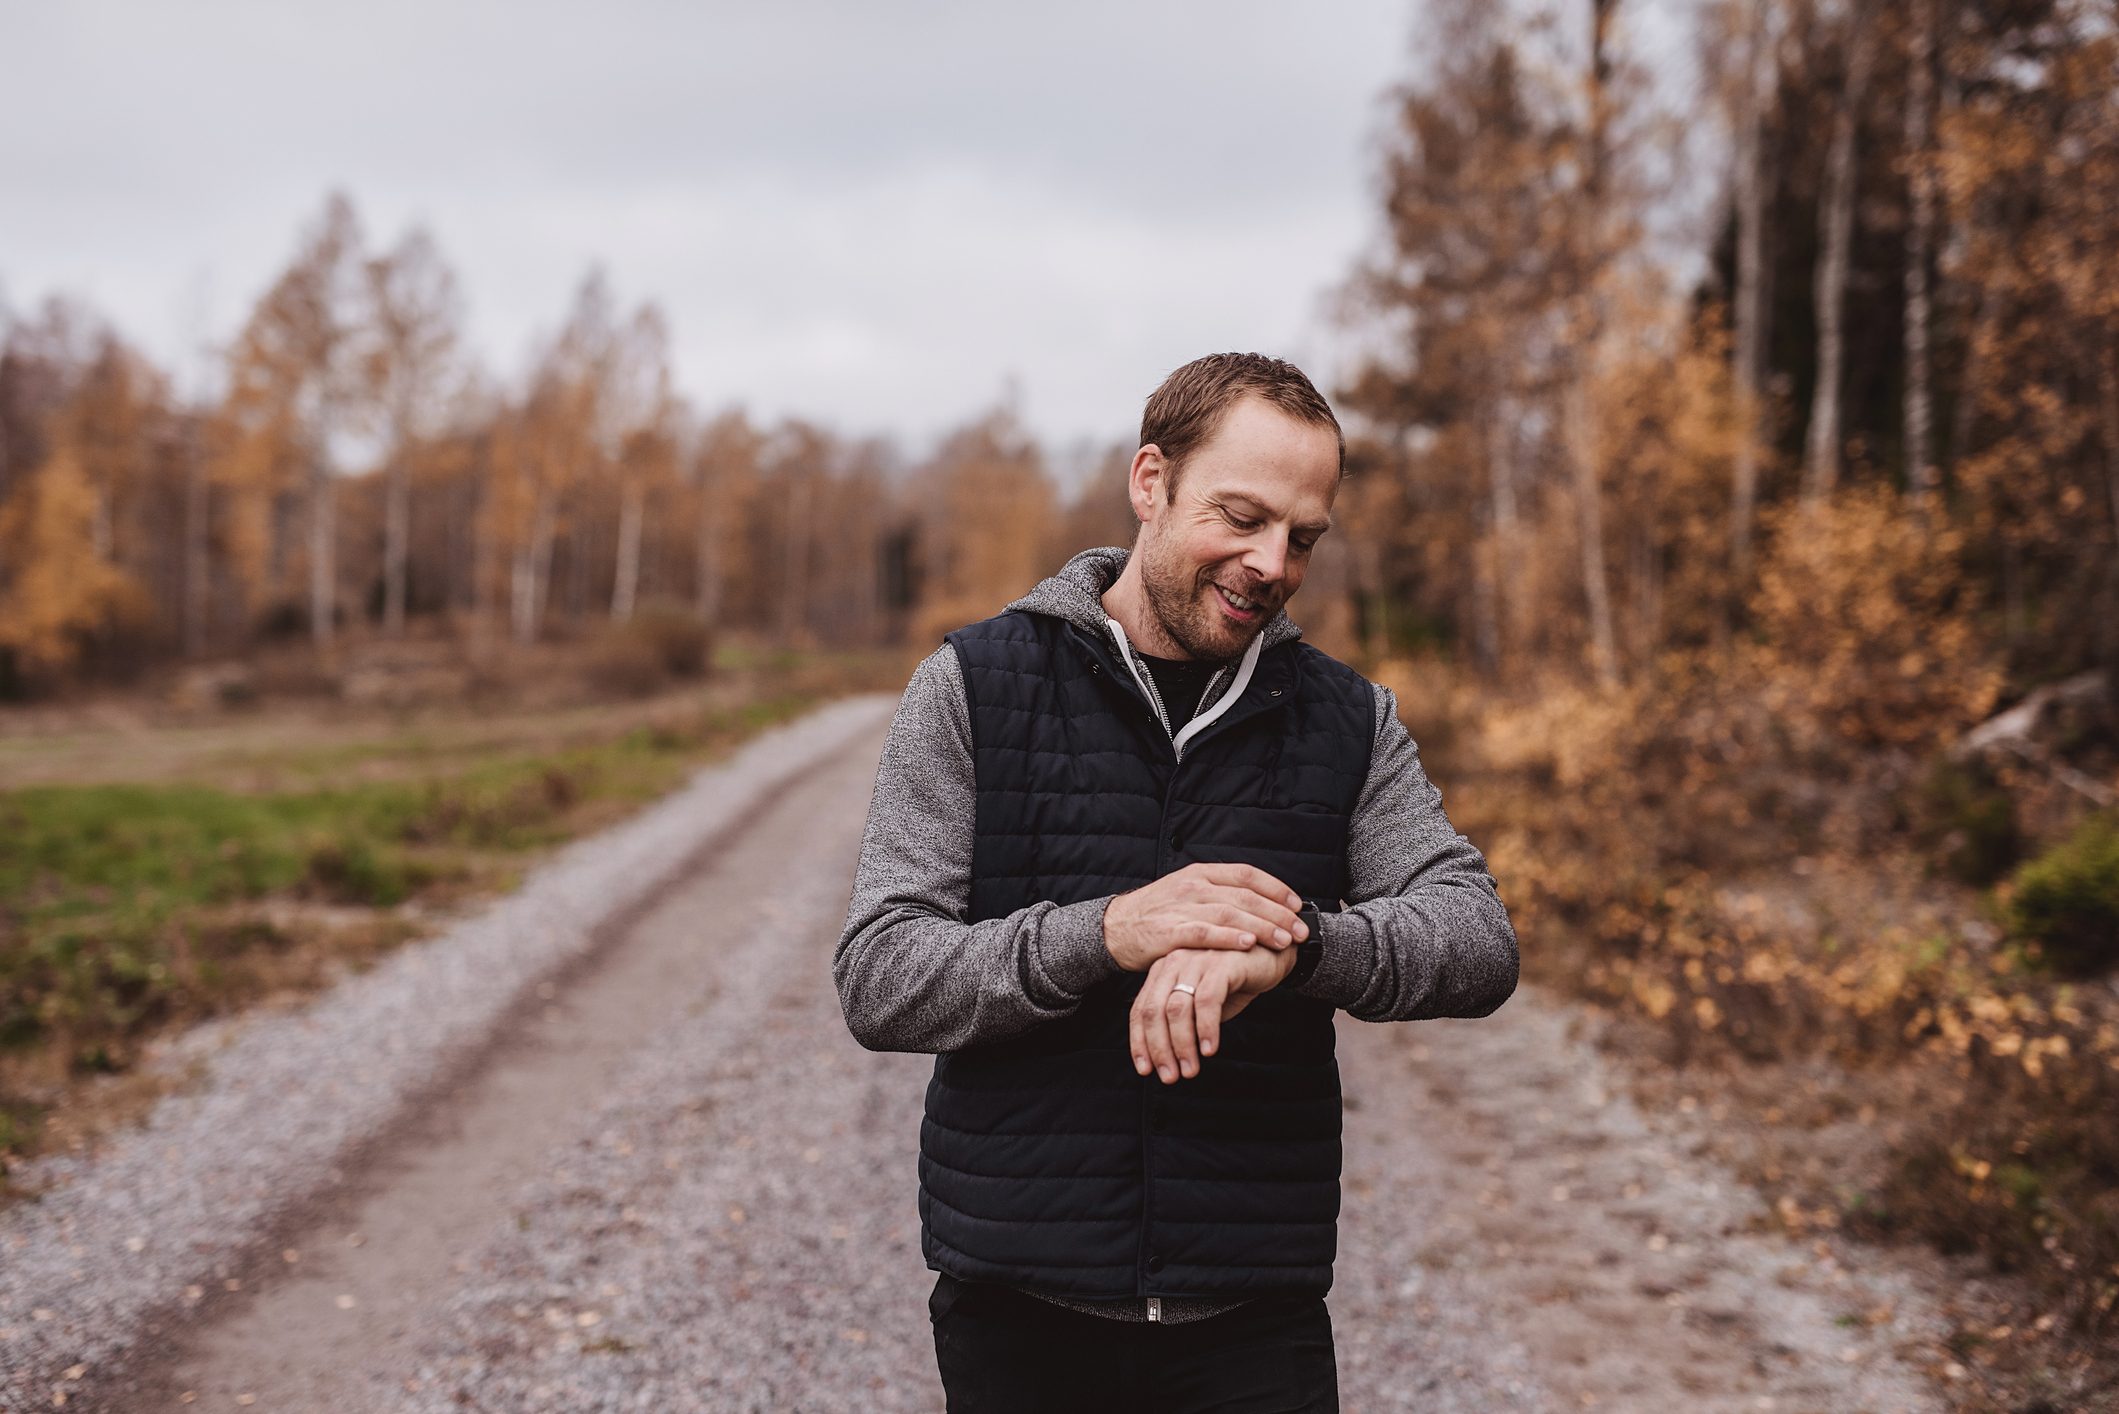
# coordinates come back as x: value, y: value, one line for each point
x: 1186, y: 988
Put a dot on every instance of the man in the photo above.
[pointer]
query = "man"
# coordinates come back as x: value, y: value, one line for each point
x: 1102, y: 880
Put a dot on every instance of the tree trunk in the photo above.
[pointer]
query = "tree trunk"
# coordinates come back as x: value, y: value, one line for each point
x: 1985, y: 318
x: 706, y: 572
x: 577, y: 589
x: 198, y: 563
x: 532, y: 572
x: 1589, y: 503
x: 323, y: 566
x: 522, y: 591
x: 1504, y: 515
x: 397, y: 530
x: 1921, y: 479
x: 1486, y: 604
x: 794, y: 570
x: 1835, y: 235
x: 1578, y: 415
x: 1750, y: 294
x: 101, y: 540
x: 625, y: 583
x: 483, y: 545
x: 2108, y: 424
x: 1646, y: 574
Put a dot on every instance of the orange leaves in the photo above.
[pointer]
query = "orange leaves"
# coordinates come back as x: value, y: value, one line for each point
x: 1868, y: 624
x: 62, y: 589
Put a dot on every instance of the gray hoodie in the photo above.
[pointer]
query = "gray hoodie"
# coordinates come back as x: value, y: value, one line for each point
x: 1424, y: 933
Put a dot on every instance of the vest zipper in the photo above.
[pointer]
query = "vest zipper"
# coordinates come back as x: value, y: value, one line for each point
x: 1155, y: 699
x: 1155, y: 1308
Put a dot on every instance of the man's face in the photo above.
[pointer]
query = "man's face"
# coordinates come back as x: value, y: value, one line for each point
x: 1222, y: 554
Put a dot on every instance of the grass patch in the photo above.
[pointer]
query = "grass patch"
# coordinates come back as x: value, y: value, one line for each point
x: 129, y: 909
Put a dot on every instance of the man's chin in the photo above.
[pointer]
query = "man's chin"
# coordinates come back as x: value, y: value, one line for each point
x: 1221, y: 641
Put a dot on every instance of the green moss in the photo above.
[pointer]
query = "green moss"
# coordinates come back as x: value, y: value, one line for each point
x: 2067, y: 899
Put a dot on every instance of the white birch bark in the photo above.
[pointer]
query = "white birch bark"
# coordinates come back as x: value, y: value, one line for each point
x: 1750, y: 289
x: 1836, y: 235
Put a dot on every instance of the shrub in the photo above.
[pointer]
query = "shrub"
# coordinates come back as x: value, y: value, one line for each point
x: 2067, y: 900
x: 681, y: 641
x: 352, y: 870
x: 624, y: 665
x: 1965, y: 817
x: 658, y: 645
x: 1868, y: 624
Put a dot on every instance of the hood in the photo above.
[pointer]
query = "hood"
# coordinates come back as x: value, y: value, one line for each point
x: 1076, y: 595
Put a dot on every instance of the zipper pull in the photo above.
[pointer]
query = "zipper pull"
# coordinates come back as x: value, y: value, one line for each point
x: 1155, y: 1309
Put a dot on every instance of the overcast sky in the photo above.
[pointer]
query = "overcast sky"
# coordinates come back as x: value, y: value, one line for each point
x: 874, y: 214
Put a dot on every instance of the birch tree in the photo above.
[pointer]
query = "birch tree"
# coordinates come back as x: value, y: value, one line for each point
x: 294, y: 392
x: 1835, y: 236
x: 417, y: 317
x: 1749, y: 98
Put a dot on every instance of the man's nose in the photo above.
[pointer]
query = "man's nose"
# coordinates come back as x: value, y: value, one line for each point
x: 1267, y: 558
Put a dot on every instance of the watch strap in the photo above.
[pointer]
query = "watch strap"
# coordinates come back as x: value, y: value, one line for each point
x: 1310, y: 951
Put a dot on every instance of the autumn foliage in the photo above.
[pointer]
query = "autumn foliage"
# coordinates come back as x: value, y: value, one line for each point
x: 1740, y: 609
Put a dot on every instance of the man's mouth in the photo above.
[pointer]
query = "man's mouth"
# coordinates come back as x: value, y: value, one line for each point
x: 1238, y: 606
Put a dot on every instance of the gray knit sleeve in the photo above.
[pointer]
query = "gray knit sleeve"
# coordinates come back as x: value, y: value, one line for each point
x: 1425, y: 933
x: 912, y: 974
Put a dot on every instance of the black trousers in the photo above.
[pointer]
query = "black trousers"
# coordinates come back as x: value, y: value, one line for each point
x: 1003, y: 1352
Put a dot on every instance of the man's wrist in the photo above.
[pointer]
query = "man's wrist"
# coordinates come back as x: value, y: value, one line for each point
x: 1071, y: 951
x: 1310, y: 951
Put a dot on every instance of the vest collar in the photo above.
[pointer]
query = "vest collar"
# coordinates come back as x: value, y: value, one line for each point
x: 1245, y: 668
x: 1274, y: 676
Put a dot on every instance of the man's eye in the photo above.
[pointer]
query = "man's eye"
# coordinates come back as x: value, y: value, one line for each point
x: 1241, y: 524
x: 1305, y: 546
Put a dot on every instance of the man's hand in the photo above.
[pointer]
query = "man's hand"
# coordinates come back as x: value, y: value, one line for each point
x: 1170, y: 1030
x: 1201, y: 906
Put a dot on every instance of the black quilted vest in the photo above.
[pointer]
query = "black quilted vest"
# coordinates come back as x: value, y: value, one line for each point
x: 1045, y: 1161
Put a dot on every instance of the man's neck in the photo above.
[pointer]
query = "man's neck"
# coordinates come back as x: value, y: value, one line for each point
x: 1127, y: 601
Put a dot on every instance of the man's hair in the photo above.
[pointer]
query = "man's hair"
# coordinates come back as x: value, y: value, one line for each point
x: 1190, y: 404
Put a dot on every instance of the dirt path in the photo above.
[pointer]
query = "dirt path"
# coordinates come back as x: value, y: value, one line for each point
x: 685, y: 1187
x: 1636, y: 1274
x: 350, y: 1298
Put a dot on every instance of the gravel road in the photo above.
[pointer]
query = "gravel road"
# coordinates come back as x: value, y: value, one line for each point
x: 671, y: 1181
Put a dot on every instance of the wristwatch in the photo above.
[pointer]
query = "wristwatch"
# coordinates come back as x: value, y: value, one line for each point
x: 1310, y: 951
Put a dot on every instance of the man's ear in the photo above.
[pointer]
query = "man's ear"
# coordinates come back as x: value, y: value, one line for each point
x: 1145, y: 490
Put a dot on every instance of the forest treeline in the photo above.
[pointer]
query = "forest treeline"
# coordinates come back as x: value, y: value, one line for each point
x: 360, y: 469
x: 1563, y: 457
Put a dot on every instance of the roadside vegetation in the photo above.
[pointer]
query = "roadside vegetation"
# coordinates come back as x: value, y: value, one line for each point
x: 130, y: 909
x: 1891, y: 969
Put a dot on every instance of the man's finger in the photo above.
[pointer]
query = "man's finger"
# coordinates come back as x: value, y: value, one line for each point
x: 1137, y: 1039
x: 1184, y: 1044
x: 1274, y: 922
x: 1251, y: 877
x: 1155, y: 1030
x: 1206, y: 1016
x: 1203, y: 934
